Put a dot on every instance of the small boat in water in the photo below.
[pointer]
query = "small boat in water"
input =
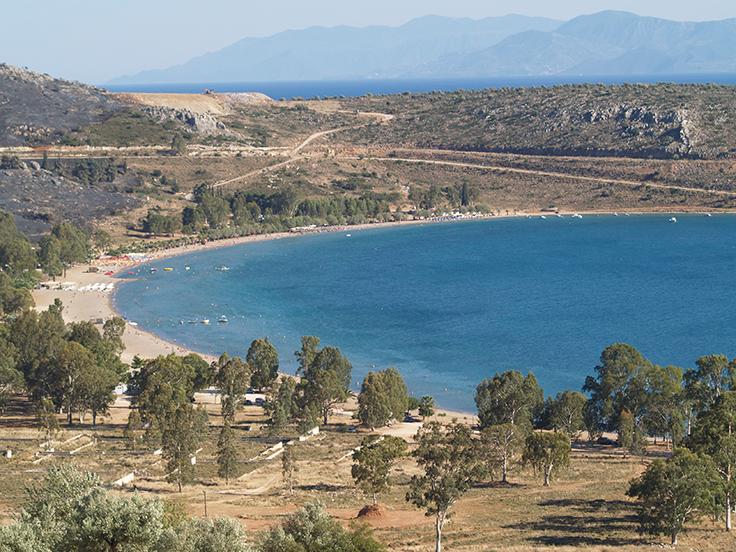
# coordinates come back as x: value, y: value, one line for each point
x: 223, y: 268
x: 543, y: 217
x: 187, y: 268
x: 708, y: 215
x: 222, y: 320
x: 206, y: 321
x: 168, y: 269
x: 673, y: 219
x: 577, y: 216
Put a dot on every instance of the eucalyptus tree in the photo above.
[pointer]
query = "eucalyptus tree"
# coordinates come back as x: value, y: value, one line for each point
x: 674, y: 492
x: 450, y: 463
x: 547, y: 453
x: 372, y: 463
x: 508, y: 398
x: 714, y: 434
x: 263, y: 360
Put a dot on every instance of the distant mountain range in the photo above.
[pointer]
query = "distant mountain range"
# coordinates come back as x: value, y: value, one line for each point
x: 605, y: 43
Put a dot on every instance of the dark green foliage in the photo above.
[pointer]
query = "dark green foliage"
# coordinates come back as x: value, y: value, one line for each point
x: 630, y: 436
x: 13, y: 299
x: 162, y: 385
x: 74, y: 242
x: 326, y: 381
x: 88, y: 171
x: 181, y: 435
x: 283, y: 407
x: 227, y: 452
x: 383, y: 397
x: 263, y: 360
x: 158, y: 224
x: 16, y: 253
x: 619, y: 384
x: 232, y: 379
x: 426, y: 407
x: 674, y: 492
x: 49, y: 256
x: 508, y: 397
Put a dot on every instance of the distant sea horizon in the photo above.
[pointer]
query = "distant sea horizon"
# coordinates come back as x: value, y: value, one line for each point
x: 289, y: 90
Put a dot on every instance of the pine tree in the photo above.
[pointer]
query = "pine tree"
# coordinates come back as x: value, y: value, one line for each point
x: 47, y: 421
x: 134, y: 429
x: 179, y: 441
x: 227, y: 453
x: 288, y: 467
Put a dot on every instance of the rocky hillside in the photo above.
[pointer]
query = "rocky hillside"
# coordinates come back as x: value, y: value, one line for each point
x: 661, y: 121
x: 37, y: 109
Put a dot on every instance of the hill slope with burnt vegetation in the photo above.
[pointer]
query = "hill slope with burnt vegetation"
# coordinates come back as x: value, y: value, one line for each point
x: 659, y: 121
x: 38, y: 109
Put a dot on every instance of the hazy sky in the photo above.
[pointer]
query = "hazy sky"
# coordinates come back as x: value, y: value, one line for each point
x: 96, y: 40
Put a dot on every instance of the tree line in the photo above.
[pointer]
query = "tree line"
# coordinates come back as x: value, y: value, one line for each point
x: 215, y: 215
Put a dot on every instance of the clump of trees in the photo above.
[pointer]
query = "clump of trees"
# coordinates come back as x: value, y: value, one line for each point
x: 216, y: 216
x: 383, y: 397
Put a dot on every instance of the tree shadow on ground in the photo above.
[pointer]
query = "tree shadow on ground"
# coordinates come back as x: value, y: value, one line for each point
x: 583, y: 523
x: 499, y: 485
x: 323, y: 487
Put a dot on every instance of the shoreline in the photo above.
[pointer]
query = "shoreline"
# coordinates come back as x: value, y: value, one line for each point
x: 98, y: 305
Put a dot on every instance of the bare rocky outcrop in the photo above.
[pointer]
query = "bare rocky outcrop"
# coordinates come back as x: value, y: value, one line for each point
x: 204, y: 123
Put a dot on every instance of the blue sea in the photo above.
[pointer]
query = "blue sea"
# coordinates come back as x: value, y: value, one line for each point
x: 315, y: 89
x: 452, y: 304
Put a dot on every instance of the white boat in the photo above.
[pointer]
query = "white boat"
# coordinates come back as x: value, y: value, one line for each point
x: 543, y: 217
x: 223, y: 268
x: 708, y: 215
x: 673, y: 219
x: 206, y: 321
x: 223, y: 320
x: 348, y: 235
x: 577, y: 216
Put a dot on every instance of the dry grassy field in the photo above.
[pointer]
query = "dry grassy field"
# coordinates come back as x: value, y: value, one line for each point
x: 585, y: 508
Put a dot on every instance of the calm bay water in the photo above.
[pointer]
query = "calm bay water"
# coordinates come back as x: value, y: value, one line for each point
x: 451, y: 304
x: 327, y: 88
